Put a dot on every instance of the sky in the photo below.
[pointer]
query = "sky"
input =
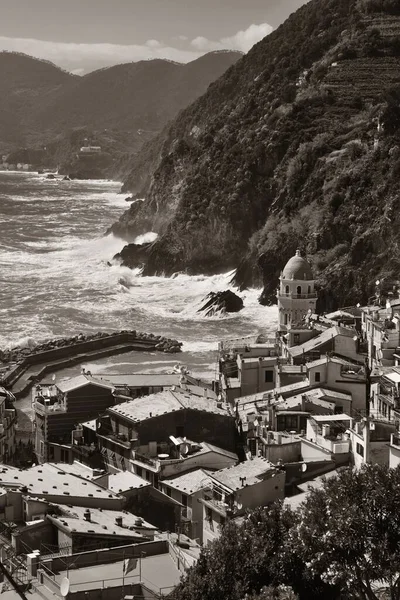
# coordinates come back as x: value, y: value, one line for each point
x: 83, y: 35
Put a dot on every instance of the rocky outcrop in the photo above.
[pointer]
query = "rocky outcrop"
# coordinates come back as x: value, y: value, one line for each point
x: 133, y: 256
x: 296, y: 146
x: 217, y: 302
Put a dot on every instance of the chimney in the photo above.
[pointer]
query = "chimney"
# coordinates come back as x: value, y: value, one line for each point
x: 118, y: 521
x: 87, y: 515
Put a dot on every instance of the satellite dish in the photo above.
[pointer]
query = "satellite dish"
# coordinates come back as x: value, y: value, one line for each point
x: 64, y: 587
x: 304, y: 467
x: 184, y: 449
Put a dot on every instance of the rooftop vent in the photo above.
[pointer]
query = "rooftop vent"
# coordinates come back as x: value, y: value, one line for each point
x: 118, y: 521
x: 87, y: 515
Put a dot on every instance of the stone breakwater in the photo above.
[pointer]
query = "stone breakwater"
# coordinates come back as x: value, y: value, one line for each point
x: 158, y: 342
x: 20, y: 367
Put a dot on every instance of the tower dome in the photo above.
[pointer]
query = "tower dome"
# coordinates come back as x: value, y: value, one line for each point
x: 297, y: 268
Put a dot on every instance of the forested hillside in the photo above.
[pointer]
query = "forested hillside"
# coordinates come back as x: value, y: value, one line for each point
x: 297, y: 145
x: 39, y: 101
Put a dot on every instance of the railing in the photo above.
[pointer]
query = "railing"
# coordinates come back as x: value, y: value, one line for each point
x: 144, y: 459
x: 298, y: 296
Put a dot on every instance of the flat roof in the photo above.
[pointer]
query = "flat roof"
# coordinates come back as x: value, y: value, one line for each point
x: 140, y: 379
x: 101, y: 521
x: 323, y: 418
x: 52, y: 480
x: 123, y: 481
x: 190, y: 482
x: 159, y: 573
x: 165, y: 402
x: 393, y: 376
x: 253, y: 470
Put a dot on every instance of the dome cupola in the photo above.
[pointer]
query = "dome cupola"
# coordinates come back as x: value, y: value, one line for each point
x: 297, y: 268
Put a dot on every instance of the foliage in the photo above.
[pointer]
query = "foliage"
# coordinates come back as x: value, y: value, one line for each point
x: 343, y: 542
x: 285, y: 150
x: 39, y: 101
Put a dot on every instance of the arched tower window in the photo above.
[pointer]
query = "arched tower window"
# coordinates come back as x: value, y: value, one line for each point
x: 299, y: 290
x: 287, y: 289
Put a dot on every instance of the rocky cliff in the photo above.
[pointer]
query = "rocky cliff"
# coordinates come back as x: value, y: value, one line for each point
x: 296, y: 145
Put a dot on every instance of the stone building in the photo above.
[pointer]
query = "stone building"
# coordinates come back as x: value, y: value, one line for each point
x: 296, y: 294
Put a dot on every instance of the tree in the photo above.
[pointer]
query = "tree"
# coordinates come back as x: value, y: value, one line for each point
x: 349, y: 532
x: 242, y: 561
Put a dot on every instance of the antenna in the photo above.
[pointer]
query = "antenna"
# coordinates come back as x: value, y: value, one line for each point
x: 64, y: 587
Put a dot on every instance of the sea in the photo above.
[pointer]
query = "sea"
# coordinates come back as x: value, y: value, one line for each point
x: 58, y: 278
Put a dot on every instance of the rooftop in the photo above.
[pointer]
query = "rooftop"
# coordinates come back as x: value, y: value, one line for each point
x: 101, y: 521
x: 321, y: 339
x: 123, y: 481
x: 329, y: 418
x: 253, y: 470
x: 159, y: 573
x: 140, y: 379
x: 297, y: 268
x: 75, y: 383
x: 190, y: 482
x: 166, y: 402
x: 52, y: 480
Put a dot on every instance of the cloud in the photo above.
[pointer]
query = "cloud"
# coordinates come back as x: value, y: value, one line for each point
x: 181, y: 38
x: 82, y: 58
x: 242, y: 40
x: 153, y: 44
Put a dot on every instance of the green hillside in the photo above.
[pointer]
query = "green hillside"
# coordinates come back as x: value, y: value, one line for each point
x: 297, y: 145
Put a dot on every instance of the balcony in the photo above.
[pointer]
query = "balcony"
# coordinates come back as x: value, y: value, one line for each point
x: 45, y: 406
x: 116, y: 438
x: 186, y: 513
x: 298, y: 296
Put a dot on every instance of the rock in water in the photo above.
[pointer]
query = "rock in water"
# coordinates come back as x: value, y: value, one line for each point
x: 225, y: 301
x: 133, y: 255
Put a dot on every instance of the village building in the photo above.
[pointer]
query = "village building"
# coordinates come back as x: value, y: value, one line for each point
x: 188, y: 490
x: 58, y: 407
x: 140, y: 431
x: 381, y: 330
x: 8, y: 421
x: 296, y: 294
x: 233, y: 490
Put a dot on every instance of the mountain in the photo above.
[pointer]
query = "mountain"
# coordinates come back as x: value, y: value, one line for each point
x: 25, y: 81
x: 39, y: 101
x: 296, y: 145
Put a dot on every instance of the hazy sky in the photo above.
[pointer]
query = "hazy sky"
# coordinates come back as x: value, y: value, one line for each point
x: 81, y: 35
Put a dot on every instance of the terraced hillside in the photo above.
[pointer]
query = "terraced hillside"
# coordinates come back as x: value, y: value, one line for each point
x: 297, y: 145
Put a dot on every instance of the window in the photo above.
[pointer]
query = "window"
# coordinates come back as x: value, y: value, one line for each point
x: 296, y: 339
x: 269, y: 376
x: 147, y: 475
x: 309, y: 289
x: 299, y: 290
x: 139, y: 471
x: 317, y: 377
x: 286, y: 319
x: 287, y: 290
x: 169, y: 492
x: 184, y: 500
x: 51, y: 452
x: 360, y: 449
x: 338, y: 410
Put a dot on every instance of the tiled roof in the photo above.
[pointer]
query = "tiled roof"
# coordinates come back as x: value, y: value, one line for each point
x: 75, y: 383
x: 52, y: 480
x: 253, y: 470
x: 189, y: 482
x: 165, y: 402
x: 101, y: 521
